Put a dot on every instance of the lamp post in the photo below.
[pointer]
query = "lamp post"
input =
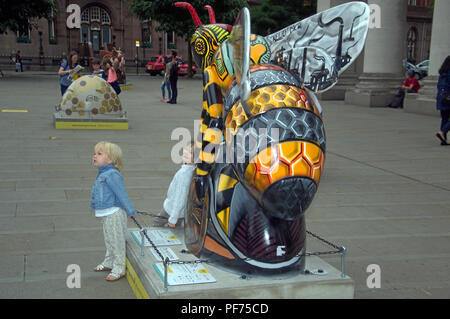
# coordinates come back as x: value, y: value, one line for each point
x: 85, y: 50
x: 137, y: 56
x: 41, y: 50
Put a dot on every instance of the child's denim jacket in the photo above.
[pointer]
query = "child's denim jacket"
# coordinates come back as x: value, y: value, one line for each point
x: 109, y: 191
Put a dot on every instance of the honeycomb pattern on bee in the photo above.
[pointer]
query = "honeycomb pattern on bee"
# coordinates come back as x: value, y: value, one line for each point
x: 278, y: 96
x: 294, y: 158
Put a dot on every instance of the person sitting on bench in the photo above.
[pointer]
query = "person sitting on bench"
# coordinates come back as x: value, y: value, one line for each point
x: 410, y: 85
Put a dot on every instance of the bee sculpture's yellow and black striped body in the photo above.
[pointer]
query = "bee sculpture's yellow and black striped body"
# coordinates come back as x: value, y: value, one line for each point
x: 247, y: 199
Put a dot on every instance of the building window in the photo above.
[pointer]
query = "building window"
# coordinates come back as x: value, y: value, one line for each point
x: 85, y: 16
x: 95, y: 14
x: 171, y: 40
x: 420, y: 3
x: 146, y: 35
x: 24, y: 37
x: 106, y: 35
x: 105, y: 17
x: 85, y: 33
x: 95, y: 27
x: 412, y: 43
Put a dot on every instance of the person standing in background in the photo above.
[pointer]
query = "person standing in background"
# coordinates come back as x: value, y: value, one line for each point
x: 67, y: 67
x: 173, y: 78
x: 165, y: 82
x: 443, y: 88
x: 19, y: 62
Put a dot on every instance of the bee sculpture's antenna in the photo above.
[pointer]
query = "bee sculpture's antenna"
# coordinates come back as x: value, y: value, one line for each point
x: 191, y: 11
x: 212, y: 16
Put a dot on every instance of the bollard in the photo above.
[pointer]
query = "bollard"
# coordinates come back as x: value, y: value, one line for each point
x: 343, y: 250
x: 142, y: 242
x: 165, y: 273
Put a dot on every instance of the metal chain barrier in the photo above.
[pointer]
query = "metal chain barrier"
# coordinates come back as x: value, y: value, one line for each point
x: 166, y: 261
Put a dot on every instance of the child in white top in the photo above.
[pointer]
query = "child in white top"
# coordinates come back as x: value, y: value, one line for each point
x: 175, y: 204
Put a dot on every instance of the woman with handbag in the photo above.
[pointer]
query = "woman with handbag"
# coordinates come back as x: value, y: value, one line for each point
x: 443, y: 100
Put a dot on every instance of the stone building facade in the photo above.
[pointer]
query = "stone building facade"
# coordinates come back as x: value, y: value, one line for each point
x: 103, y: 22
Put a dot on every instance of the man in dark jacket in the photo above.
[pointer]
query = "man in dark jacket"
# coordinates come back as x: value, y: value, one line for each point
x: 173, y: 78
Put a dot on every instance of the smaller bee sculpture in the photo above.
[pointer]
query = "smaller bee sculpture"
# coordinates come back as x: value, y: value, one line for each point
x: 261, y: 148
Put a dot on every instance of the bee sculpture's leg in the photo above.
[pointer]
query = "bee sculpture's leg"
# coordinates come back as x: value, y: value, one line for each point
x: 211, y: 129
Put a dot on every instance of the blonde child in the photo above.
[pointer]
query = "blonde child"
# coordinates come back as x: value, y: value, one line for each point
x: 175, y: 204
x: 111, y: 203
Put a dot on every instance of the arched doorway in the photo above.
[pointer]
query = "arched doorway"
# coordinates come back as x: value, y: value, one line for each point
x: 95, y: 27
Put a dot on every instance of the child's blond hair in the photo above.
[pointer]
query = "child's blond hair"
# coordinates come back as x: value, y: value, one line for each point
x: 113, y: 152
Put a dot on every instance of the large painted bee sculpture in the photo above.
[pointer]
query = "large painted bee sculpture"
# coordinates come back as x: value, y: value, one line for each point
x: 261, y: 147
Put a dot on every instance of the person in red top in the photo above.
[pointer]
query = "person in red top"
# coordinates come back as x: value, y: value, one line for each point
x: 410, y: 85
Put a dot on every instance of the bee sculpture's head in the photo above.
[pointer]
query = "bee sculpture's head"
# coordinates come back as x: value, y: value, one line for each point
x: 207, y: 39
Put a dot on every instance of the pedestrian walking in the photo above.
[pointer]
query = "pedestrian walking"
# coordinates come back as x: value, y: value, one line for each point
x: 66, y: 68
x: 165, y: 82
x: 443, y: 100
x: 111, y: 203
x: 173, y: 78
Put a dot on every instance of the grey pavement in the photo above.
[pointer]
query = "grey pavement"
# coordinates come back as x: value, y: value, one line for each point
x: 384, y: 194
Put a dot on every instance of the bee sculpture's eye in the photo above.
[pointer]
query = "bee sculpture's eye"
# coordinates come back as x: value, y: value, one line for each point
x: 200, y: 46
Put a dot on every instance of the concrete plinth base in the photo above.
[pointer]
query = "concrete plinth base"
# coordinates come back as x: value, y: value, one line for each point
x: 126, y: 86
x: 230, y: 285
x: 99, y: 122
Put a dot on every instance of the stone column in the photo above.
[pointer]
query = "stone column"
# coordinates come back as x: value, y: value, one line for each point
x: 440, y: 37
x: 425, y: 103
x: 384, y: 52
x: 349, y: 78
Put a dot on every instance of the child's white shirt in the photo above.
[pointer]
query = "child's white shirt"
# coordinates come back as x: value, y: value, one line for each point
x: 175, y: 203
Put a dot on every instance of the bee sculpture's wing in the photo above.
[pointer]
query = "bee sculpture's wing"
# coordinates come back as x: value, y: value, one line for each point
x: 318, y: 49
x: 238, y: 47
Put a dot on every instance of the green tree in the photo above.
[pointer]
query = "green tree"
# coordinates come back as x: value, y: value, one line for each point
x: 269, y: 16
x: 178, y: 20
x: 17, y: 15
